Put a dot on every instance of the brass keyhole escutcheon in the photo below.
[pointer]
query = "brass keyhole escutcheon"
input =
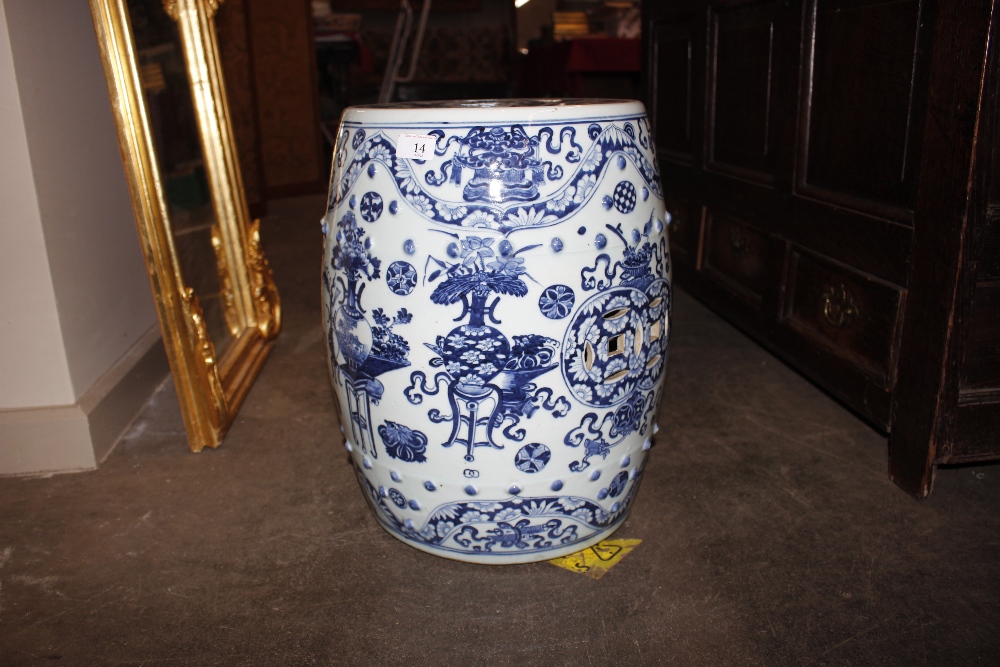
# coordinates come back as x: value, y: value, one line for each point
x: 838, y: 307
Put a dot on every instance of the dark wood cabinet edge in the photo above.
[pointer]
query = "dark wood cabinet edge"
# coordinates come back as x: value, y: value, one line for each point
x: 752, y: 299
x: 710, y: 162
x: 930, y: 248
x: 962, y: 404
x: 888, y: 212
x: 810, y: 191
x: 680, y: 159
x: 762, y: 318
x: 849, y: 242
x: 980, y: 397
x: 976, y: 434
x: 844, y: 380
x: 748, y: 297
x: 647, y: 65
x: 927, y: 359
x: 750, y: 176
x: 889, y: 376
x: 832, y: 370
x: 805, y: 359
x: 730, y: 306
x: 865, y: 368
x: 698, y: 20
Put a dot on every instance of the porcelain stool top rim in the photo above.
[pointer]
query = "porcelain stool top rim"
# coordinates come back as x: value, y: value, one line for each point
x: 540, y: 110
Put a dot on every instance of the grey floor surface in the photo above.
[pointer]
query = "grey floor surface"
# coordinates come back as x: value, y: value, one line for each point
x: 770, y: 536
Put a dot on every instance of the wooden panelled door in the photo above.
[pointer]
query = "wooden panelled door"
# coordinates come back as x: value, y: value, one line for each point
x: 790, y: 136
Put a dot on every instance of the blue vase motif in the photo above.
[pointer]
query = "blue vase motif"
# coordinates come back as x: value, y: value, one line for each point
x: 359, y: 351
x: 505, y: 165
x: 521, y: 246
x: 489, y: 381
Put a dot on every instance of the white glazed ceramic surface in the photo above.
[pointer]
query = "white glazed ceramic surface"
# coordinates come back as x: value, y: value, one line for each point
x: 497, y: 315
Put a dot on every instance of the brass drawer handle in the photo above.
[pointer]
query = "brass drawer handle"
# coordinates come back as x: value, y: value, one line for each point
x: 738, y: 241
x: 838, y: 307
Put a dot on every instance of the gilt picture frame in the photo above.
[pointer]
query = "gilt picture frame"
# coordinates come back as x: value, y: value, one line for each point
x: 211, y: 387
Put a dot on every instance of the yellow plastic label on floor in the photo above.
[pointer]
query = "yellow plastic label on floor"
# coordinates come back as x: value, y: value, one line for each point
x: 595, y: 561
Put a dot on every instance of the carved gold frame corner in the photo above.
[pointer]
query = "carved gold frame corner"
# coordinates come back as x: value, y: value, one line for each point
x: 211, y: 389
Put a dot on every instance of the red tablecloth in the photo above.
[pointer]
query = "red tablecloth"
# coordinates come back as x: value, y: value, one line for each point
x: 603, y: 55
x: 558, y: 69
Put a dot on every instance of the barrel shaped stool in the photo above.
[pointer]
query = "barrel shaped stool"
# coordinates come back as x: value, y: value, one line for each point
x: 496, y: 297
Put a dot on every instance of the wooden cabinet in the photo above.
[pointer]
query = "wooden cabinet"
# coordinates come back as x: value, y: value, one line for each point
x: 833, y: 172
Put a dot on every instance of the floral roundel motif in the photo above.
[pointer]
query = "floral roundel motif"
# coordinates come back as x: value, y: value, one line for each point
x: 618, y: 484
x: 359, y: 138
x: 624, y: 197
x: 397, y: 498
x: 606, y: 350
x: 371, y: 206
x: 532, y: 458
x: 556, y: 302
x: 401, y: 278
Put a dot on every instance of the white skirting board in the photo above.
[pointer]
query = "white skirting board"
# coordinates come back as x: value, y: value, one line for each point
x: 68, y: 438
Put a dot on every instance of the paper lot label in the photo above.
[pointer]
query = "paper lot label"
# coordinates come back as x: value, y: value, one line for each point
x: 415, y: 146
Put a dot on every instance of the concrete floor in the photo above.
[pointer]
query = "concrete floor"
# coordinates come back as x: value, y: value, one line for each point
x: 770, y: 536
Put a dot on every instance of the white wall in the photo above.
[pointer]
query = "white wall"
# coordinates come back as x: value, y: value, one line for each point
x: 102, y: 291
x: 79, y: 344
x: 33, y: 367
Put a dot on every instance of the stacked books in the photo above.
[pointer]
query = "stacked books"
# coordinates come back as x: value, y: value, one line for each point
x: 566, y: 25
